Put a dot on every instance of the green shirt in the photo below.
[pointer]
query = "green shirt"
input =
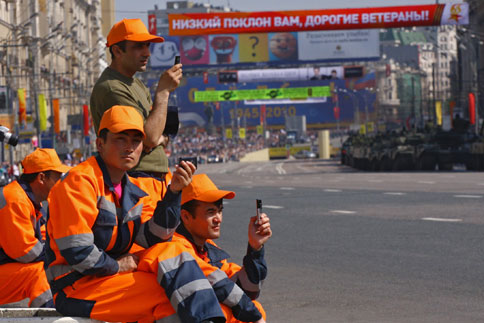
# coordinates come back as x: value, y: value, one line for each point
x: 114, y: 88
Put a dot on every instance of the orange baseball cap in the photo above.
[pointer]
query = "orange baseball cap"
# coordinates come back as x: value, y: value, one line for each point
x: 43, y: 159
x: 203, y: 189
x: 131, y: 29
x: 120, y: 118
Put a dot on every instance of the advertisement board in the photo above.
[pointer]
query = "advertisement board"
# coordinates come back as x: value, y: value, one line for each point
x: 249, y: 114
x: 269, y: 48
x: 338, y: 45
x: 311, y: 20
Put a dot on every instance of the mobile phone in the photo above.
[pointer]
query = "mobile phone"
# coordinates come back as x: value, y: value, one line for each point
x: 177, y: 60
x: 193, y: 160
x: 258, y: 204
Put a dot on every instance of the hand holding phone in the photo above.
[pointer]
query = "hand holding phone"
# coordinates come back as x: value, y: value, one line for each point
x: 177, y: 60
x: 193, y: 160
x: 258, y: 209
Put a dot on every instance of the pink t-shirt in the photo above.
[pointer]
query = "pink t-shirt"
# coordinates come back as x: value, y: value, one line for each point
x: 118, y: 189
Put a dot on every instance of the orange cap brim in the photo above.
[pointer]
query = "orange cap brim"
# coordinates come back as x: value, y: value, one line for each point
x: 211, y: 196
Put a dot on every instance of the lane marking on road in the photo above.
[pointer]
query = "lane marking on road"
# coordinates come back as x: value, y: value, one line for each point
x: 469, y: 196
x: 287, y: 188
x: 426, y: 182
x: 279, y: 169
x: 342, y: 211
x: 332, y: 190
x: 442, y: 220
x: 395, y: 193
x: 276, y: 207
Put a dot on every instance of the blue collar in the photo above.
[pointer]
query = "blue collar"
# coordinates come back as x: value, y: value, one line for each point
x: 214, y: 253
x: 30, y: 194
x: 131, y: 192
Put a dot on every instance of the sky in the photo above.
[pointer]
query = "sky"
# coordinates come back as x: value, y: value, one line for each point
x: 139, y: 8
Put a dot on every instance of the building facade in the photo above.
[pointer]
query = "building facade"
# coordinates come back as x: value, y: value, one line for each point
x: 52, y: 51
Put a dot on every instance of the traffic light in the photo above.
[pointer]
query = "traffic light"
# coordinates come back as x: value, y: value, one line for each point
x: 227, y: 77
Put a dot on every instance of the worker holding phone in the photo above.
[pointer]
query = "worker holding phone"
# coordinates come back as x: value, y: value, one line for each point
x: 129, y: 44
x: 236, y: 286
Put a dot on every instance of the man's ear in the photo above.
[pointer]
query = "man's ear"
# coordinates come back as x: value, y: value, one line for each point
x: 99, y: 143
x: 116, y: 50
x: 41, y: 177
x: 185, y: 215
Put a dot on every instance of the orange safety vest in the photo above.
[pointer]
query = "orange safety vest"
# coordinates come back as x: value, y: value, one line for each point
x: 20, y: 226
x: 21, y: 247
x: 224, y: 278
x: 93, y: 228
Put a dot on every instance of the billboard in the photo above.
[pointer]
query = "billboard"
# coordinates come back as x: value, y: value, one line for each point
x: 247, y: 113
x: 270, y: 48
x: 290, y: 74
x: 312, y: 20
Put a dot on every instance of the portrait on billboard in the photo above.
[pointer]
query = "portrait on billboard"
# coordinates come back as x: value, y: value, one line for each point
x: 224, y: 49
x: 253, y: 48
x: 194, y: 50
x: 325, y: 73
x: 283, y: 46
x: 163, y: 54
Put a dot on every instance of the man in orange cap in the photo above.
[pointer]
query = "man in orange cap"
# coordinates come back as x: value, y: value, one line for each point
x: 22, y: 272
x: 129, y: 44
x: 97, y: 212
x: 235, y: 286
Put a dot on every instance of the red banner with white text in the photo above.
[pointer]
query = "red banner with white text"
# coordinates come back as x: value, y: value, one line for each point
x: 309, y: 20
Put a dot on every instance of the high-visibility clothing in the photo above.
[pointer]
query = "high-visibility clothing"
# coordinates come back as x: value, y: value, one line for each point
x: 20, y: 281
x: 89, y: 228
x: 168, y: 277
x: 156, y: 189
x: 235, y: 286
x: 229, y: 316
x: 21, y: 247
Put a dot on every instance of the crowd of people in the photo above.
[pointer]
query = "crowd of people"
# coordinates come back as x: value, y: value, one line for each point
x: 121, y: 238
x: 216, y: 148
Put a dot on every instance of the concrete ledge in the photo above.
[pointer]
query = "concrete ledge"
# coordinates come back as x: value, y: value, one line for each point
x: 44, y: 315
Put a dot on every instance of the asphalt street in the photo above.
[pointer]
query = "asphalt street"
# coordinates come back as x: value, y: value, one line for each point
x: 350, y: 246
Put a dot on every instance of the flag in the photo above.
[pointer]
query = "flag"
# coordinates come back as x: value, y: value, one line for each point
x: 242, y: 133
x: 228, y: 133
x: 85, y: 114
x: 22, y: 107
x: 472, y: 108
x: 438, y: 112
x: 42, y: 113
x: 55, y: 111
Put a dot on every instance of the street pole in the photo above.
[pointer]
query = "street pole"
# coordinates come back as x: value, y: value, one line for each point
x: 476, y: 48
x: 51, y: 74
x: 434, y: 113
x: 414, y: 115
x: 34, y: 52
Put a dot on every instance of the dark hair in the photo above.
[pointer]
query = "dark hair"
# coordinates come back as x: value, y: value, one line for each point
x: 103, y: 134
x: 121, y: 45
x: 29, y: 178
x: 190, y: 206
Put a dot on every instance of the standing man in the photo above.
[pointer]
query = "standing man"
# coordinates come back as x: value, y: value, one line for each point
x: 235, y: 286
x: 129, y: 45
x: 97, y: 212
x: 22, y: 272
